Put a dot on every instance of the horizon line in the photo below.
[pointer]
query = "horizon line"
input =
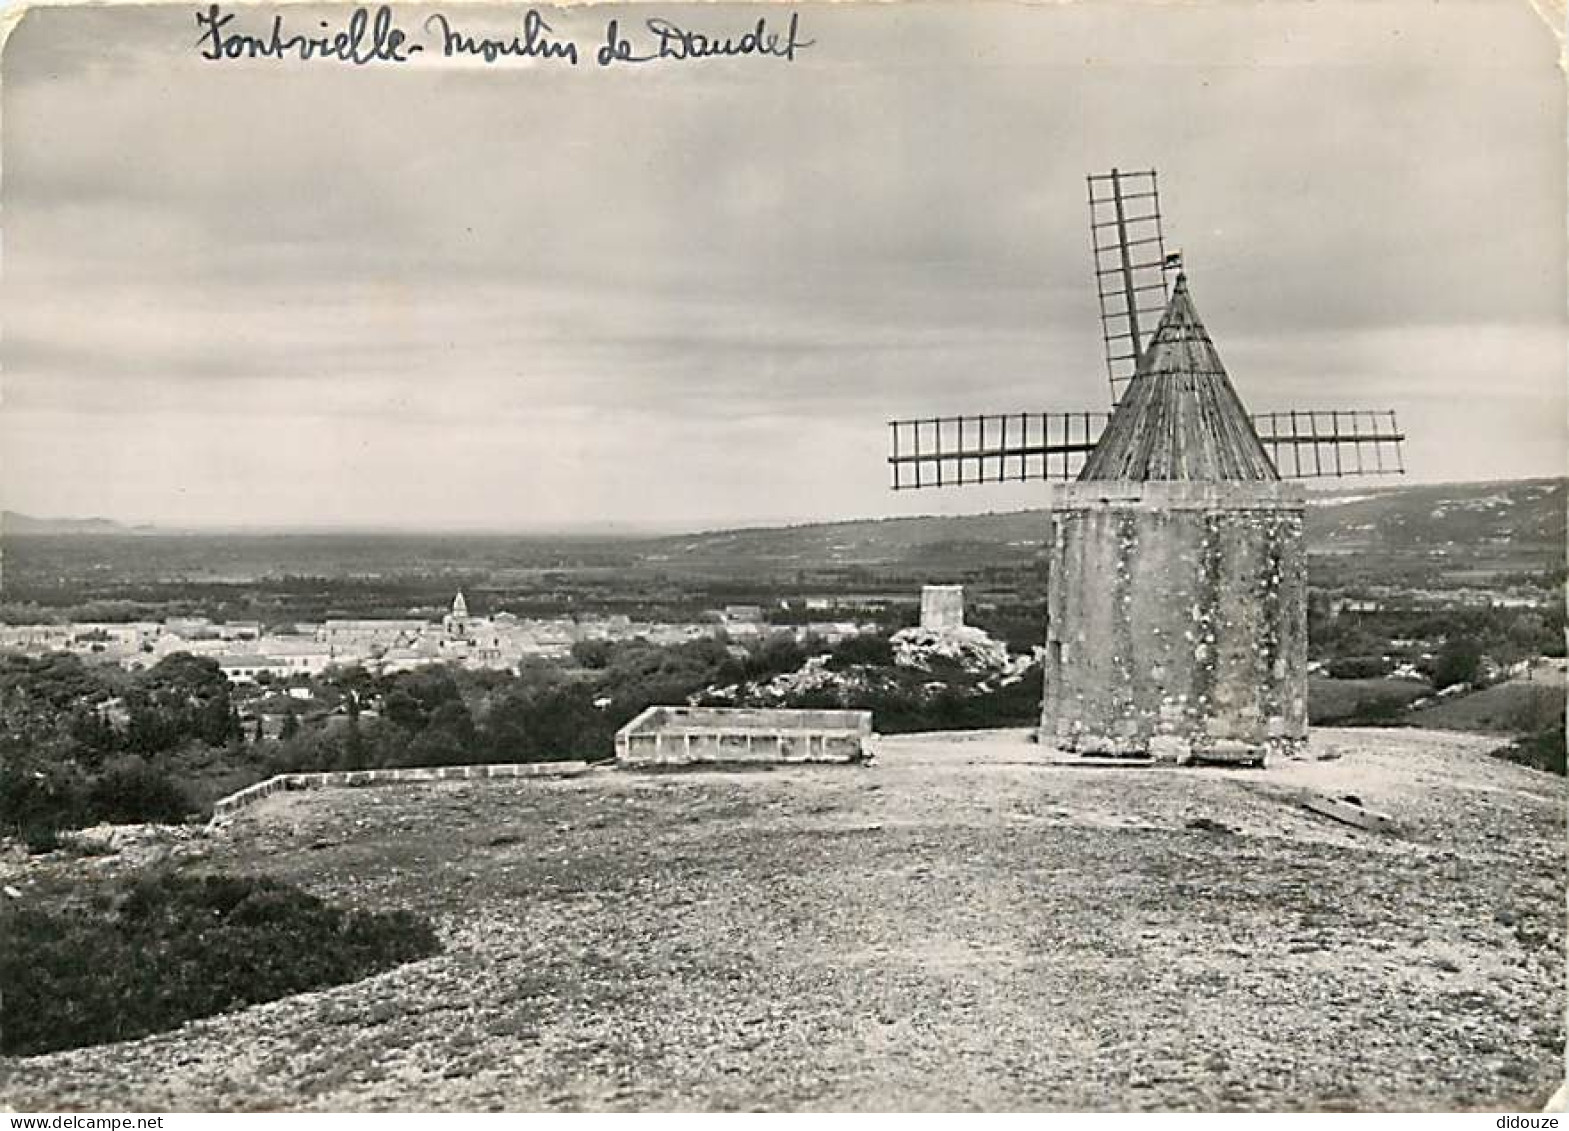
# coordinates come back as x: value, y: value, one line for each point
x: 617, y: 528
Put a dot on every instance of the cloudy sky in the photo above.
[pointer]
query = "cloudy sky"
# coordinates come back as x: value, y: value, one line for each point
x: 690, y: 294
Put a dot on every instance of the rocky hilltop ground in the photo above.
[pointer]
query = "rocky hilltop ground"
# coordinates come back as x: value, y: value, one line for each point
x: 957, y: 925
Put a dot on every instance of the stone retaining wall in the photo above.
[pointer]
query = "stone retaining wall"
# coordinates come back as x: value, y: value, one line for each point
x: 232, y: 804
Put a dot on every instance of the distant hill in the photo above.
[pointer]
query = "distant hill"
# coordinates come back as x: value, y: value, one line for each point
x: 1520, y: 515
x: 1516, y: 513
x: 13, y: 523
x: 926, y: 540
x: 1449, y: 529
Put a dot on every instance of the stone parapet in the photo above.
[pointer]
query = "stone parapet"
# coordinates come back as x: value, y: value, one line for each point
x: 228, y: 806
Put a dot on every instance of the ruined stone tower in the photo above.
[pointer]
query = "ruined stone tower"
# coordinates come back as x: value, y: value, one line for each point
x: 942, y: 607
x: 1177, y: 589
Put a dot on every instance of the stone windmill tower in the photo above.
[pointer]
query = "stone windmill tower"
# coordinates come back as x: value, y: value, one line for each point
x: 1177, y: 580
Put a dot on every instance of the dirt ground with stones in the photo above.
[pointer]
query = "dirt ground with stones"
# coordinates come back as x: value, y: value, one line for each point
x: 955, y: 926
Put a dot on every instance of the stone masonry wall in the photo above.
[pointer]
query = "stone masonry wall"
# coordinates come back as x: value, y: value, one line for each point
x: 1177, y: 620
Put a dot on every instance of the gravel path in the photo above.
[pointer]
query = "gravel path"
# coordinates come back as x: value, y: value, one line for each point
x: 955, y: 926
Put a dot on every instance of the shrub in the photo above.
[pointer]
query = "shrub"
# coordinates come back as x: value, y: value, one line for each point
x: 1358, y: 667
x: 871, y: 650
x: 129, y: 791
x: 774, y: 656
x: 909, y: 707
x: 36, y: 803
x: 40, y: 838
x: 1543, y: 750
x: 153, y: 953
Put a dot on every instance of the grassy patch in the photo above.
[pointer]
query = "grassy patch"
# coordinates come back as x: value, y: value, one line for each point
x: 1516, y: 707
x: 1361, y: 701
x: 149, y: 954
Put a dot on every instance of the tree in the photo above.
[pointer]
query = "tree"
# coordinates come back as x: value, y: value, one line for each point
x: 352, y: 682
x: 448, y: 737
x: 505, y: 735
x: 412, y: 698
x: 93, y: 735
x: 1458, y: 661
x: 180, y: 697
x: 351, y: 756
x: 38, y: 693
x: 566, y: 724
x: 594, y: 654
x: 217, y: 722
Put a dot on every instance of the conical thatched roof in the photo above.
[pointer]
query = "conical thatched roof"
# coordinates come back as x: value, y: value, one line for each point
x: 1179, y: 417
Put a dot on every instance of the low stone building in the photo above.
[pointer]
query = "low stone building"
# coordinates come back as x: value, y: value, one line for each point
x: 677, y: 736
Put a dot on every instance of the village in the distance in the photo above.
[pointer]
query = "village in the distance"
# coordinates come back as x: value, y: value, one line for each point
x: 190, y: 664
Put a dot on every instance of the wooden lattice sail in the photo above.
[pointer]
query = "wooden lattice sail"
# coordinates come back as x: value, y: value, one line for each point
x: 1132, y: 267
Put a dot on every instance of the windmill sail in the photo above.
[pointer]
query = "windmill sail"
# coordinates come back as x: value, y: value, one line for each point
x: 948, y: 451
x: 1131, y: 267
x: 1332, y: 443
x: 952, y: 451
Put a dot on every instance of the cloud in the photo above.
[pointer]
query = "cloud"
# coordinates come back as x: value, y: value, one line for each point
x: 644, y: 279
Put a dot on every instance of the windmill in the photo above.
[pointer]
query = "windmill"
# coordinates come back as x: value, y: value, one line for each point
x: 1176, y: 575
